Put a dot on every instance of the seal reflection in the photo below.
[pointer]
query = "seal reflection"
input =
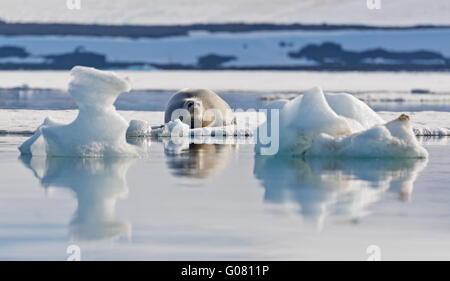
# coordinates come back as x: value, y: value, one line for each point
x: 197, y: 160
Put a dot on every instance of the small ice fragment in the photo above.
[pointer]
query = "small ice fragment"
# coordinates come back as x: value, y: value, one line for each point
x: 138, y: 128
x: 172, y: 129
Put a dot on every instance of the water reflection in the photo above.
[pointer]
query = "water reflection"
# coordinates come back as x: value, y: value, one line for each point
x: 195, y: 160
x: 97, y: 184
x: 340, y: 188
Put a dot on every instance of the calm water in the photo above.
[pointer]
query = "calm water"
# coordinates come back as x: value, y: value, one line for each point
x: 222, y: 202
x: 156, y: 100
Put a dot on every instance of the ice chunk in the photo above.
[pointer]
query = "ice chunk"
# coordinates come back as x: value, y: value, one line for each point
x: 97, y: 131
x: 392, y: 140
x: 353, y: 109
x: 174, y: 128
x: 304, y: 118
x: 177, y: 128
x: 35, y: 145
x: 138, y: 128
x: 339, y: 125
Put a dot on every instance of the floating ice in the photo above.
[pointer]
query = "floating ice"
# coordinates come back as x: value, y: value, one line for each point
x: 174, y: 128
x: 138, y: 128
x: 341, y: 125
x: 25, y: 122
x: 394, y: 139
x: 97, y: 131
x: 177, y: 128
x: 353, y: 109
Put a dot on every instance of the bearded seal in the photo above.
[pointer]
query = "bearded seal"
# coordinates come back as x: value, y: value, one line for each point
x: 199, y: 108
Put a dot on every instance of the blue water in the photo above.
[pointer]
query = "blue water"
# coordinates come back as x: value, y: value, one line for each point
x: 249, y: 47
x: 152, y: 100
x: 223, y: 202
x: 156, y: 100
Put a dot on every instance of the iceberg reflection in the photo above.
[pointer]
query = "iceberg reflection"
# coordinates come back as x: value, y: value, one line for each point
x: 341, y: 188
x: 97, y: 184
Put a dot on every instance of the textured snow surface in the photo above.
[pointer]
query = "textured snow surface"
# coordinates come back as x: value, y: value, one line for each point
x: 399, y: 12
x: 265, y: 81
x: 22, y: 121
x: 339, y: 125
x: 98, y: 129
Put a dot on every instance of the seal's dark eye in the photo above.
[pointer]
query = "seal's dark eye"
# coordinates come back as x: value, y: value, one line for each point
x: 190, y: 104
x: 181, y: 118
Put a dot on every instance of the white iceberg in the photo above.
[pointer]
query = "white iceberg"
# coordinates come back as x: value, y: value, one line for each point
x: 316, y: 124
x: 97, y: 131
x: 394, y: 139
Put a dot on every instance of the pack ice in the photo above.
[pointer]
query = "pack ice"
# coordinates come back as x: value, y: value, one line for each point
x: 97, y: 131
x: 340, y: 125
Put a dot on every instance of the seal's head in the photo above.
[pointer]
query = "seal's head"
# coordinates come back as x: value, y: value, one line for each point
x: 403, y: 117
x: 195, y: 108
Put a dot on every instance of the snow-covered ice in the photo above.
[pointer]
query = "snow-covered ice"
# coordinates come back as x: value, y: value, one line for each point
x: 25, y: 122
x: 392, y: 140
x: 338, y: 115
x: 246, y: 126
x: 316, y: 124
x: 426, y: 123
x: 262, y: 81
x: 174, y: 128
x: 399, y: 12
x: 138, y: 128
x: 97, y: 131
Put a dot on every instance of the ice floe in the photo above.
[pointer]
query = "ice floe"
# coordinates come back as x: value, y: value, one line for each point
x: 97, y: 131
x: 392, y: 140
x: 340, y: 125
